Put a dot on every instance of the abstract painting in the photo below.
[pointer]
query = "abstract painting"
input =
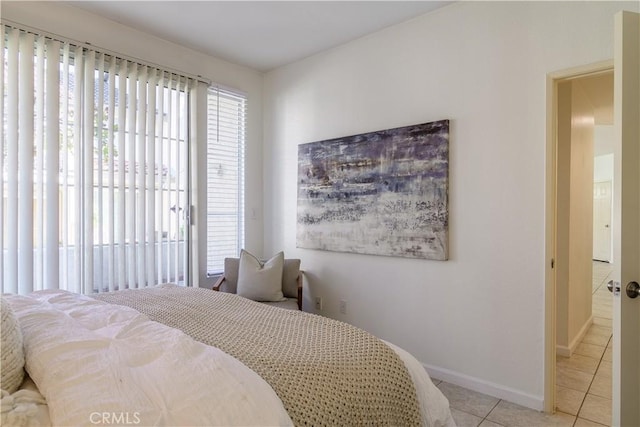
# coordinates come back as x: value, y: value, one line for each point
x: 378, y: 193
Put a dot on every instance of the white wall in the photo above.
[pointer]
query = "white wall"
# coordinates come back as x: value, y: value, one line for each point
x: 603, y: 168
x: 478, y: 318
x: 603, y: 143
x: 76, y: 24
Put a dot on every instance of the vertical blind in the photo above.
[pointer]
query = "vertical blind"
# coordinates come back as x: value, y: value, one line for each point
x: 94, y: 169
x: 226, y: 112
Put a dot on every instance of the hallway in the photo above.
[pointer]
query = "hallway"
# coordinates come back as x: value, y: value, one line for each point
x: 583, y: 381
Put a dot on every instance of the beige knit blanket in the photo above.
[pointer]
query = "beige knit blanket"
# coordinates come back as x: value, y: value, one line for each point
x: 325, y: 372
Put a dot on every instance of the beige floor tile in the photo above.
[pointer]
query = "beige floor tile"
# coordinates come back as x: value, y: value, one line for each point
x: 601, y: 386
x: 603, y: 284
x: 603, y: 289
x: 602, y: 304
x: 601, y: 272
x: 581, y: 422
x: 579, y: 363
x: 605, y: 307
x: 601, y: 321
x: 464, y: 419
x: 576, y: 375
x: 468, y: 401
x: 568, y: 400
x: 602, y: 299
x: 596, y: 408
x: 510, y: 414
x: 487, y: 423
x: 596, y: 338
x: 599, y: 330
x: 602, y: 313
x: 575, y: 380
x: 605, y: 368
x: 590, y: 350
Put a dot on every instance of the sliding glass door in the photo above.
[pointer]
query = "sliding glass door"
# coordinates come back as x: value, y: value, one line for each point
x: 95, y: 169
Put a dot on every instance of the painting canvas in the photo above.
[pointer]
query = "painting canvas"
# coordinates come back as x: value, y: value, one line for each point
x: 379, y: 193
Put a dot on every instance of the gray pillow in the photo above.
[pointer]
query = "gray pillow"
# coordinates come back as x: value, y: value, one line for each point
x: 260, y: 281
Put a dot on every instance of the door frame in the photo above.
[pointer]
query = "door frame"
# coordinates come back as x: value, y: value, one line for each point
x: 553, y: 80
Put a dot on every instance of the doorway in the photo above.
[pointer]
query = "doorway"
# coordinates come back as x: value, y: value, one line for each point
x: 602, y: 248
x: 579, y: 362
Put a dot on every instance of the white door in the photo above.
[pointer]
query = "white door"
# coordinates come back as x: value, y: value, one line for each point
x: 602, y: 221
x: 626, y: 310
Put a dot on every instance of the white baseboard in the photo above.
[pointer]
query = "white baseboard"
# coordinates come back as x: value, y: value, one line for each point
x: 486, y: 387
x: 562, y: 350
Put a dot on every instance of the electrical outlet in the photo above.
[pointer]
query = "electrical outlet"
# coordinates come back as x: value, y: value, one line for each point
x: 343, y: 306
x: 318, y: 303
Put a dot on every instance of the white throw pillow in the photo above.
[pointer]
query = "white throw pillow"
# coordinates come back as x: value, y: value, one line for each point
x: 12, y: 362
x: 260, y: 281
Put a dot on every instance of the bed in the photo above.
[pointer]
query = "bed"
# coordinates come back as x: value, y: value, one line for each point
x: 170, y: 355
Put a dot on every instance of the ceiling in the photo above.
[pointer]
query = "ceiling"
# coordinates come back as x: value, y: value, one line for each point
x: 262, y: 35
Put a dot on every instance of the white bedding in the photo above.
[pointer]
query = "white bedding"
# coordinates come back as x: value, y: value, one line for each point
x: 434, y: 406
x: 97, y: 363
x: 78, y: 349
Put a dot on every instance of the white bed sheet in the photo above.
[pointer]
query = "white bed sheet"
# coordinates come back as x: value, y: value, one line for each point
x: 151, y: 373
x: 97, y: 363
x: 434, y: 406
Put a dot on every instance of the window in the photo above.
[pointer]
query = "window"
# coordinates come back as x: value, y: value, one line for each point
x: 94, y: 169
x: 225, y: 176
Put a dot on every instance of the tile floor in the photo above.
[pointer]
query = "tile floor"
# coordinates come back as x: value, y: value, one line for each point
x: 583, y: 381
x: 583, y: 394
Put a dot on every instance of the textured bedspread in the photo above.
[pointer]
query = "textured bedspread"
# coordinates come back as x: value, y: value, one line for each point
x: 325, y: 372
